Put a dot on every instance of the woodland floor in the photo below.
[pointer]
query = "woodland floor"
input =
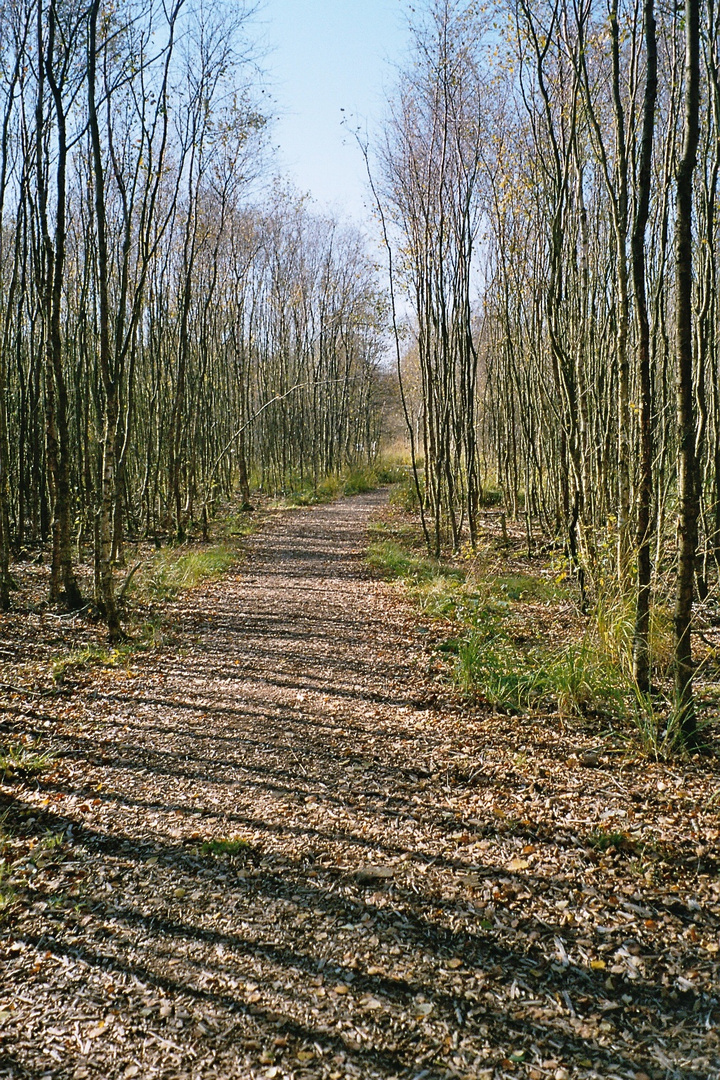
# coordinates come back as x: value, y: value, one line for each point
x: 421, y: 891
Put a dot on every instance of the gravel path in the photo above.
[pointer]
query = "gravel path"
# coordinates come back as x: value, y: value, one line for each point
x: 258, y: 858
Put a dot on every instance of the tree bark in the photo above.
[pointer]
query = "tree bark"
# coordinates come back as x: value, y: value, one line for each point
x: 686, y: 464
x: 641, y: 635
x: 110, y: 383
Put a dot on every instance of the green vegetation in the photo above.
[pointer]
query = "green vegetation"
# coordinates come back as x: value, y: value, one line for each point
x: 571, y: 679
x: 354, y: 481
x: 90, y: 656
x: 19, y: 760
x: 395, y: 561
x: 70, y: 664
x: 175, y: 570
x: 437, y: 586
x: 161, y: 577
x: 230, y: 848
x: 306, y: 493
x: 392, y: 471
x: 505, y: 648
x: 7, y: 863
x: 7, y: 892
x: 358, y: 481
x: 405, y: 496
x: 604, y: 841
x: 234, y: 524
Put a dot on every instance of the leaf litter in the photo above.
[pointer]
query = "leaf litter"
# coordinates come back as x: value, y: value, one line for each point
x: 278, y: 847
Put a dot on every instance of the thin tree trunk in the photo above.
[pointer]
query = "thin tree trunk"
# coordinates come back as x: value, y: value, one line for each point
x: 110, y: 385
x: 686, y: 467
x: 62, y: 531
x: 641, y: 636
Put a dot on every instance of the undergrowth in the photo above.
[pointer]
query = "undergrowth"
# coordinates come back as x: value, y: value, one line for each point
x: 20, y: 760
x: 231, y: 848
x: 145, y: 636
x: 572, y: 679
x: 504, y: 649
x: 173, y: 570
x: 352, y: 481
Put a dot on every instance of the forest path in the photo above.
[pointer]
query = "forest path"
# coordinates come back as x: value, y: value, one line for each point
x: 375, y: 919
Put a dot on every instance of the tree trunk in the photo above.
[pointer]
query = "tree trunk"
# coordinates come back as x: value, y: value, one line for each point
x: 641, y: 636
x: 686, y: 466
x: 112, y: 404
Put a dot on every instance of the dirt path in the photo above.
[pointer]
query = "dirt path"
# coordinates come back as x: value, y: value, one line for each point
x: 387, y: 913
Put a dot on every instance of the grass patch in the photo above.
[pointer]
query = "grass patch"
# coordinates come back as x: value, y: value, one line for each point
x: 500, y: 652
x: 7, y: 892
x: 237, y: 524
x: 147, y: 635
x: 405, y: 496
x: 360, y: 481
x: 8, y: 860
x: 437, y: 586
x: 352, y: 481
x: 174, y: 570
x: 232, y: 848
x: 604, y: 841
x: 529, y: 589
x: 572, y: 680
x: 88, y: 657
x: 305, y: 493
x: 393, y: 561
x: 22, y: 762
x: 391, y: 472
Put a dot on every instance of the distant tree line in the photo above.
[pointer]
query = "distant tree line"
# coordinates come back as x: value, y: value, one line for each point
x: 560, y: 161
x: 166, y: 333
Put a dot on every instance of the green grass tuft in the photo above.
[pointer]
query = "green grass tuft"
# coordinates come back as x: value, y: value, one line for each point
x: 603, y: 841
x: 494, y: 661
x: 230, y: 848
x: 391, y: 473
x: 575, y: 679
x: 394, y: 562
x: 360, y: 481
x: 173, y: 571
x: 21, y: 761
x: 528, y: 589
x: 354, y: 480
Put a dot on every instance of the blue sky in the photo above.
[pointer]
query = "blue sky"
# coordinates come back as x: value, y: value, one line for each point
x: 325, y: 56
